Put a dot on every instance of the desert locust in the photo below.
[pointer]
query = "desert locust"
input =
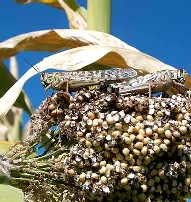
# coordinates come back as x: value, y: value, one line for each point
x: 159, y: 81
x: 125, y: 81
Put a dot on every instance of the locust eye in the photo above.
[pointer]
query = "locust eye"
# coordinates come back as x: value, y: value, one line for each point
x: 43, y: 79
x: 42, y: 75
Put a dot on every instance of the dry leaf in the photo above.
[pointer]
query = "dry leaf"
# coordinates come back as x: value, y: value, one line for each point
x: 52, y: 3
x: 76, y: 21
x: 55, y: 40
x: 75, y: 13
x: 14, y: 67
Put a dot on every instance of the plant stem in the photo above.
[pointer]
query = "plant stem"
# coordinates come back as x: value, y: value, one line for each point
x: 99, y: 15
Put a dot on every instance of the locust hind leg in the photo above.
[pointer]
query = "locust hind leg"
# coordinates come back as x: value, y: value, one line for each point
x: 63, y: 84
x: 180, y: 87
x: 66, y: 81
x: 150, y: 90
x: 105, y: 87
x: 188, y: 93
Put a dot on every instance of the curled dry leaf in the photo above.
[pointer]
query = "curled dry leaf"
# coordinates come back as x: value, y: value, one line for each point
x: 14, y: 67
x: 56, y: 40
x: 76, y: 58
x: 23, y: 1
x: 52, y: 3
x: 75, y: 13
x: 76, y: 21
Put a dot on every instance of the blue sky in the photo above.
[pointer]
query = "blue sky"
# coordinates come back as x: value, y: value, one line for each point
x: 159, y: 28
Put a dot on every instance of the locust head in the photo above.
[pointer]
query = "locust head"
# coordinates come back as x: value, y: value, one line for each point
x: 44, y: 79
x: 48, y: 80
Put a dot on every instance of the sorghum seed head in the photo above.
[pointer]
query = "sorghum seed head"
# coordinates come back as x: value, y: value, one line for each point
x: 82, y: 177
x: 183, y: 130
x: 124, y: 181
x: 148, y: 131
x: 168, y: 134
x: 103, y: 180
x: 144, y: 187
x: 103, y: 170
x: 138, y: 145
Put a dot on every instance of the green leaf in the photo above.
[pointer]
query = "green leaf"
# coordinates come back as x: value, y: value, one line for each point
x: 6, y: 81
x: 4, y: 146
x: 10, y: 194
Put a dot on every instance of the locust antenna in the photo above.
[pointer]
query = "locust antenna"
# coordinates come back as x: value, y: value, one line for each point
x: 36, y: 68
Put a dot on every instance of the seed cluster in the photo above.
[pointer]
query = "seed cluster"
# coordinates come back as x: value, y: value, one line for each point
x: 130, y: 148
x: 116, y: 148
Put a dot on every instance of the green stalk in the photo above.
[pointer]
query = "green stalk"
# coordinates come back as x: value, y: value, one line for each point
x: 99, y: 19
x: 99, y: 15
